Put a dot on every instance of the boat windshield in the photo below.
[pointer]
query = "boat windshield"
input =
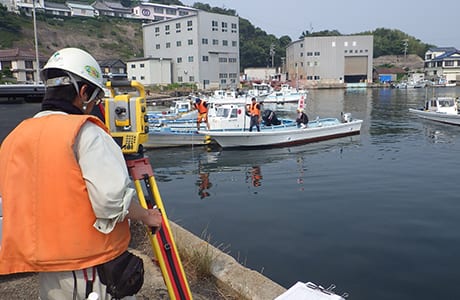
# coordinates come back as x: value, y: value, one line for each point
x: 223, y: 112
x: 446, y: 103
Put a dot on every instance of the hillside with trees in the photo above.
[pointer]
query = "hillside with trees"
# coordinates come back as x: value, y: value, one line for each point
x: 122, y: 38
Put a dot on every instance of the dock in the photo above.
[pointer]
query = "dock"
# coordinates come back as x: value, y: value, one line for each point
x: 22, y: 92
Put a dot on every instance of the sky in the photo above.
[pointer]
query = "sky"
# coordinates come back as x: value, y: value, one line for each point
x: 431, y: 22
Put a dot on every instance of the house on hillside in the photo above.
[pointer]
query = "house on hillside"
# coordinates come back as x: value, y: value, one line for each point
x: 81, y: 10
x: 112, y: 68
x: 21, y: 63
x: 388, y: 75
x: 57, y: 9
x: 112, y: 9
x: 442, y: 65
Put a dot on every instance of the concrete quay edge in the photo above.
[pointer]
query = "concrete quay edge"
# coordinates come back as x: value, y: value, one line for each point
x: 247, y: 283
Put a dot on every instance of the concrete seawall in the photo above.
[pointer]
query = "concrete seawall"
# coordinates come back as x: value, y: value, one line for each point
x: 243, y: 283
x: 248, y: 283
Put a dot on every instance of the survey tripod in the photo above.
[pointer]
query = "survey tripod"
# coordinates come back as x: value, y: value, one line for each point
x: 126, y: 118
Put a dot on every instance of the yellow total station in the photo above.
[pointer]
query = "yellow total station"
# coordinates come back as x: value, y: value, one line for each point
x: 126, y: 114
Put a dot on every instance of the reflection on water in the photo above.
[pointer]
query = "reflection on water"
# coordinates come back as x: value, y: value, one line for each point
x: 254, y: 176
x: 376, y: 214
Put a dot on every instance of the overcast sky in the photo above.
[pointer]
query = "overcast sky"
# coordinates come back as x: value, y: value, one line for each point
x: 431, y: 22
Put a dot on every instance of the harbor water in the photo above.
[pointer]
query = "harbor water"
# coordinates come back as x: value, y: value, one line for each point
x: 375, y: 214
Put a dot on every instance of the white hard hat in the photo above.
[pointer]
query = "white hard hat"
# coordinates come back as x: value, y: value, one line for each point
x: 74, y: 61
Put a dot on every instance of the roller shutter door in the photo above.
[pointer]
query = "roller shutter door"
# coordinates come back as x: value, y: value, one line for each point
x: 355, y: 65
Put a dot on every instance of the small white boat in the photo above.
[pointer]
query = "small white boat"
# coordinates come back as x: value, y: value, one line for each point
x: 285, y: 134
x: 285, y: 94
x: 162, y: 137
x: 439, y: 109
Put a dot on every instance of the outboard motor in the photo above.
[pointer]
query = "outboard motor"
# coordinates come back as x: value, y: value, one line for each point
x: 269, y: 118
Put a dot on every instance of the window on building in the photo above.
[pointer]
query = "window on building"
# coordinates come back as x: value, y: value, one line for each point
x: 133, y: 77
x: 189, y: 23
x: 190, y: 59
x: 215, y: 42
x: 157, y: 46
x: 179, y: 60
x: 179, y: 79
x: 224, y: 43
x: 333, y: 44
x: 158, y: 10
x: 29, y: 64
x: 142, y: 65
x: 178, y: 43
x: 345, y: 44
x: 214, y: 25
x: 309, y: 53
x: 234, y: 28
x: 171, y: 11
x: 133, y: 66
x: 177, y: 27
x: 317, y: 53
x: 168, y: 45
x: 205, y: 58
x: 301, y: 54
x: 142, y: 77
x: 204, y: 41
x: 449, y: 63
x: 190, y: 42
x: 234, y: 44
x: 224, y: 26
x: 191, y: 79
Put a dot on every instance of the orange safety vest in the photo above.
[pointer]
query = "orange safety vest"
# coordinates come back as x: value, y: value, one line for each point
x: 254, y: 109
x: 47, y: 215
x: 202, y: 109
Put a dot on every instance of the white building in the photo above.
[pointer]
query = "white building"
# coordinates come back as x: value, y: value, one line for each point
x: 158, y: 12
x: 330, y: 60
x: 203, y: 48
x: 442, y: 65
x: 150, y: 70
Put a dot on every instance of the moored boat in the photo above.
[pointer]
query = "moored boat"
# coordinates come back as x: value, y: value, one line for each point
x: 439, y: 109
x: 284, y: 133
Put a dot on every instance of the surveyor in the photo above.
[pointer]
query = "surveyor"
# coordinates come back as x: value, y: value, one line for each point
x: 66, y: 191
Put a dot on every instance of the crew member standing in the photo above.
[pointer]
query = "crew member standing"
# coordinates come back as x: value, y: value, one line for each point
x: 254, y: 112
x: 72, y: 213
x: 202, y: 107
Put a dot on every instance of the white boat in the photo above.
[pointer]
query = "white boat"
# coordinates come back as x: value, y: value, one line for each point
x: 285, y: 94
x: 182, y: 109
x: 260, y: 90
x: 175, y: 137
x: 439, y: 109
x: 285, y: 134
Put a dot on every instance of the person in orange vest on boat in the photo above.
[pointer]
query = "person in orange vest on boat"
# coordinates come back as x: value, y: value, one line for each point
x: 65, y: 188
x: 202, y: 107
x: 254, y: 113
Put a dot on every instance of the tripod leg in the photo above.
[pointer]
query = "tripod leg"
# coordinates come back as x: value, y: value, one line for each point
x: 163, y: 243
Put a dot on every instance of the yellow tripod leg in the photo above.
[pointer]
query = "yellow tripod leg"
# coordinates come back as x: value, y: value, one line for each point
x: 163, y: 243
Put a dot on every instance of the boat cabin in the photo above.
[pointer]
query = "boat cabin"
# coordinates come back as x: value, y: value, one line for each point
x: 228, y: 116
x: 446, y: 105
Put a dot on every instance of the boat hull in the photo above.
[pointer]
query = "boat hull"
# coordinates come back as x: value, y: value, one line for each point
x: 286, y: 136
x: 175, y: 139
x: 453, y: 119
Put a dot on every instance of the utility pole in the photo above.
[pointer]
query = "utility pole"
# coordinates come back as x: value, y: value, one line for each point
x: 272, y: 54
x: 37, y: 75
x: 406, y: 44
